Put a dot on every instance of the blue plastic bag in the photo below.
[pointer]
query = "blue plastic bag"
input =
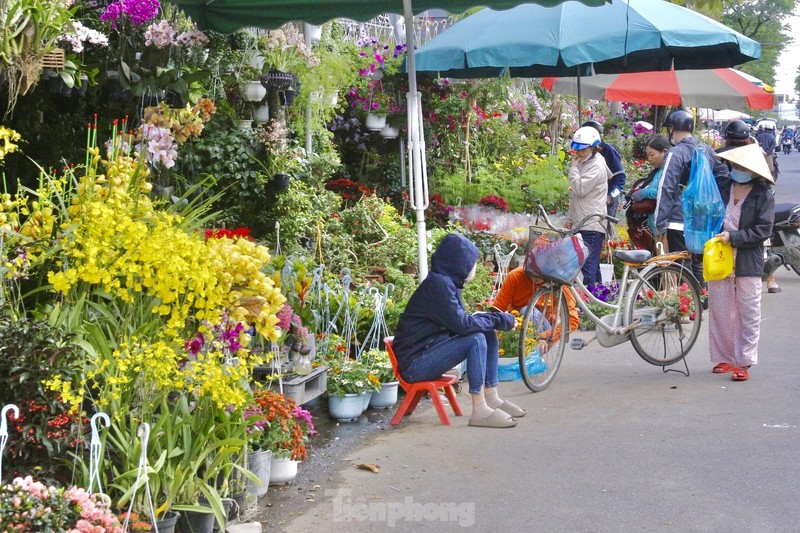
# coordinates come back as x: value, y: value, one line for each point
x: 533, y: 363
x: 703, y: 209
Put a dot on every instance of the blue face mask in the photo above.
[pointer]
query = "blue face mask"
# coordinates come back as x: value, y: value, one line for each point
x: 740, y: 176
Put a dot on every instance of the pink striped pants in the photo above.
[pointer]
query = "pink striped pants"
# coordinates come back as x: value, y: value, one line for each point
x: 734, y: 306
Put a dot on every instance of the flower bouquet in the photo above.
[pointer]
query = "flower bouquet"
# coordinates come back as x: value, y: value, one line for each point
x: 28, y: 505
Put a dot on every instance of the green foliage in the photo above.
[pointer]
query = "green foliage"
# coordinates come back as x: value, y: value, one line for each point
x: 300, y: 210
x: 31, y: 351
x: 230, y: 156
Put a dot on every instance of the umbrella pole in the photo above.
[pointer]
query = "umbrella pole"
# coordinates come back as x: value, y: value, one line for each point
x: 578, y: 71
x: 418, y: 178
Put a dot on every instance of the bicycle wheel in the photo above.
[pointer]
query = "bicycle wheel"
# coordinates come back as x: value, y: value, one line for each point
x: 545, y: 318
x: 667, y: 310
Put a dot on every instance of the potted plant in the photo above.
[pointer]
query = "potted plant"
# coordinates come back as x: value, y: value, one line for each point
x: 349, y: 380
x: 381, y: 367
x: 288, y: 427
x: 285, y: 53
x: 29, y: 505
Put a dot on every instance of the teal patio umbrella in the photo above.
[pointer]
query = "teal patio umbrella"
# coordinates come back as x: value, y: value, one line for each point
x: 572, y: 39
x: 229, y: 15
x: 624, y: 36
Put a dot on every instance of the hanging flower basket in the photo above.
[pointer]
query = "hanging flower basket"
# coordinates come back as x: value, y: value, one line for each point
x: 287, y: 97
x: 375, y: 122
x: 389, y: 132
x: 277, y: 80
x: 254, y: 91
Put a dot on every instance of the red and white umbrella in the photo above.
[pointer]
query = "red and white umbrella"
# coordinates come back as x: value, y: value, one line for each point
x: 713, y: 88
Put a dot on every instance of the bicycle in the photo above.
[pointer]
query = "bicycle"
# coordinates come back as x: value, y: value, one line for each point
x: 659, y: 310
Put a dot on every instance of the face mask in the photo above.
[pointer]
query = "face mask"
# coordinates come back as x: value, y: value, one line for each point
x: 740, y: 176
x: 471, y: 274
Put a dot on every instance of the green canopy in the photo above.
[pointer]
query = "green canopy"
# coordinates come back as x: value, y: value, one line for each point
x: 229, y: 15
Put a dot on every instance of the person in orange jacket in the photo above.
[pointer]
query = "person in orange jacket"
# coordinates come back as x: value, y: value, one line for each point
x: 518, y: 290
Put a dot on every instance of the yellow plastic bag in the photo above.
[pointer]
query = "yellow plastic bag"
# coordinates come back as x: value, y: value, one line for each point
x: 717, y: 259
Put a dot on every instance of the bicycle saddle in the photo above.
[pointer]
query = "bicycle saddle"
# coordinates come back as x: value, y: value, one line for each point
x: 636, y: 257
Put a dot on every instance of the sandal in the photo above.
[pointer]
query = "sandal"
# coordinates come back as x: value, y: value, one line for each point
x: 740, y: 374
x: 498, y: 419
x: 722, y: 368
x: 512, y: 409
x: 773, y: 290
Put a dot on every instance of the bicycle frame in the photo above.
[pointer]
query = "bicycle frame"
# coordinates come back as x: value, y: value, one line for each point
x: 613, y: 326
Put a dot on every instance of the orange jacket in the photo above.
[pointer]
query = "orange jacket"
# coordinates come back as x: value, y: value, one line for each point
x: 518, y: 289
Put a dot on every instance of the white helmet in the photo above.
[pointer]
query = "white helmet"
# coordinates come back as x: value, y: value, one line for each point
x: 585, y: 137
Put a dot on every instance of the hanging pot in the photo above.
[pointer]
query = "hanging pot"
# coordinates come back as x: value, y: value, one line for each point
x: 282, y: 470
x: 254, y: 91
x: 277, y: 80
x: 332, y: 98
x: 244, y: 124
x: 375, y: 122
x: 281, y: 181
x: 345, y: 408
x: 386, y: 397
x: 261, y: 114
x: 287, y: 97
x: 389, y: 132
x: 314, y: 33
x: 365, y: 397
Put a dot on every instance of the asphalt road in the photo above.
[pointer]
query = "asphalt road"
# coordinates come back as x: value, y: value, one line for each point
x: 614, y: 445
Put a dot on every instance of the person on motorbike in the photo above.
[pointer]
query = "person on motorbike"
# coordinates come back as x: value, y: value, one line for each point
x: 766, y: 139
x: 786, y: 139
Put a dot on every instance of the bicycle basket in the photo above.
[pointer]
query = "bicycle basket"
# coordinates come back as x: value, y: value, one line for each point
x: 557, y: 260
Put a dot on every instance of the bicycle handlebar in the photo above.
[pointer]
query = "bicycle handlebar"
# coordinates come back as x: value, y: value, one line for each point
x: 577, y: 228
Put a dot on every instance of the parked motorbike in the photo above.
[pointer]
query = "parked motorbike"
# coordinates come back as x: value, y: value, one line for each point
x: 784, y: 244
x: 787, y: 146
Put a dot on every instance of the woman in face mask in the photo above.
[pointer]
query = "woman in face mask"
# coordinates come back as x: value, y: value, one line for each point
x: 588, y: 187
x: 734, y: 303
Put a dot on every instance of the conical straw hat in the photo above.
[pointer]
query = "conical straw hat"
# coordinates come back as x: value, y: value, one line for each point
x: 750, y: 157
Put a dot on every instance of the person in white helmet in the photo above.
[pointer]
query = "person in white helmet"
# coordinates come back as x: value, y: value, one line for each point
x: 588, y: 185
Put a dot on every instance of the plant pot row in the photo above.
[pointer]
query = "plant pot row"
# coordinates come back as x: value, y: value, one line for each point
x: 350, y: 406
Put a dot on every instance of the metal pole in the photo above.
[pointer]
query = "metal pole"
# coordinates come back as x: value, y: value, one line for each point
x: 309, y: 147
x: 418, y: 184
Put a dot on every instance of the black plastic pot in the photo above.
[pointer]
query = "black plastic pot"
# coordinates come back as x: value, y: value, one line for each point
x: 287, y: 97
x: 277, y: 80
x: 281, y: 181
x: 195, y: 522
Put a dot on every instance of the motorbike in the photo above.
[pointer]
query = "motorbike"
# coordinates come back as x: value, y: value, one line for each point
x: 783, y: 248
x: 787, y: 145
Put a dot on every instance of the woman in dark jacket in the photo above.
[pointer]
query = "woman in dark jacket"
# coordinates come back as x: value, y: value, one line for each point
x: 734, y: 303
x: 435, y: 333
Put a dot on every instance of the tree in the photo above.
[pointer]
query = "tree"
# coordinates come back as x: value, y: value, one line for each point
x: 763, y: 21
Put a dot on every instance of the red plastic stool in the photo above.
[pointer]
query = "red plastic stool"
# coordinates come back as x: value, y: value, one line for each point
x: 415, y: 391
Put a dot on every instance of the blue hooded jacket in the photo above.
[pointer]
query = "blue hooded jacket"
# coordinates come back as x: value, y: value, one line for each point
x: 435, y: 312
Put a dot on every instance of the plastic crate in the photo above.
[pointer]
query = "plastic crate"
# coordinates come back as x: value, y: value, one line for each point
x: 301, y: 389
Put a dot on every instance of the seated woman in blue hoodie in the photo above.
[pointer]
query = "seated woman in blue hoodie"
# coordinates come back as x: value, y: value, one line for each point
x: 435, y: 334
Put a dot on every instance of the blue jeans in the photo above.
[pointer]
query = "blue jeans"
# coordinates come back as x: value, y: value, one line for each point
x: 479, y: 349
x: 591, y: 268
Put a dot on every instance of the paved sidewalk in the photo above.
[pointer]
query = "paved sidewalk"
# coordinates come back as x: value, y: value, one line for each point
x: 614, y: 445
